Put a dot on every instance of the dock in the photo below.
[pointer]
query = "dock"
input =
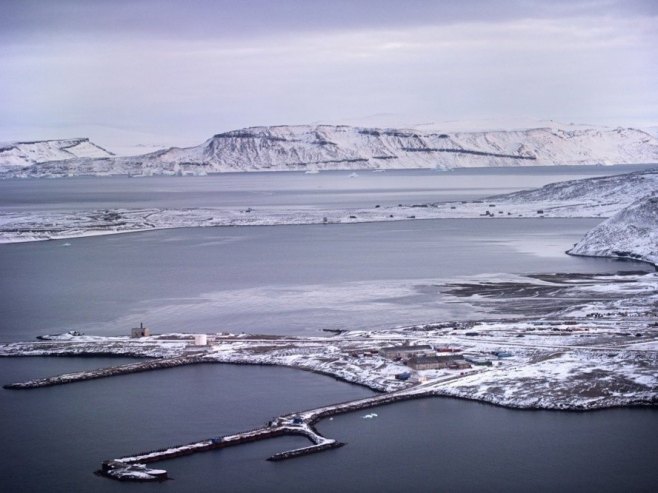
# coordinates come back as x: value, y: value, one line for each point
x: 132, y: 468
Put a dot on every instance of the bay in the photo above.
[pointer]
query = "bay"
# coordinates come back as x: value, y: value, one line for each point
x: 274, y: 279
x: 289, y: 280
x: 54, y: 438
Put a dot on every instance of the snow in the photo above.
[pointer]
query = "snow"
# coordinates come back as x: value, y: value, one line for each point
x: 596, y: 348
x: 319, y: 147
x: 18, y: 155
x: 594, y: 197
x: 631, y: 233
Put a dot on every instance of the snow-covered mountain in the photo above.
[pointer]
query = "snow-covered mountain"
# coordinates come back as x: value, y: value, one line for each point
x: 631, y: 233
x: 24, y: 154
x: 320, y: 147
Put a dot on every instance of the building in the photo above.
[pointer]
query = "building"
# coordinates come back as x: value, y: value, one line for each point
x: 477, y: 360
x: 140, y: 331
x: 434, y: 362
x: 458, y: 364
x: 406, y: 352
x: 427, y: 363
x: 200, y: 340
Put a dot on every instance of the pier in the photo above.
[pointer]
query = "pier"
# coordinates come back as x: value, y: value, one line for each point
x: 132, y: 468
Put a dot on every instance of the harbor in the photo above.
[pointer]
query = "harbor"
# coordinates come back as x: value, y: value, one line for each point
x: 602, y: 356
x: 133, y: 468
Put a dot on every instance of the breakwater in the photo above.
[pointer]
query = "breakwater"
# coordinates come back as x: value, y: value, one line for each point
x: 148, y: 365
x: 132, y: 468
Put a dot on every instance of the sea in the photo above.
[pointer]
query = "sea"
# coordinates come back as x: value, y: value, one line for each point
x: 296, y: 280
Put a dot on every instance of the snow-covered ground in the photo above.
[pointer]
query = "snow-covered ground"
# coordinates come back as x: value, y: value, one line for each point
x: 321, y: 147
x: 583, y: 355
x: 631, y: 233
x: 18, y: 155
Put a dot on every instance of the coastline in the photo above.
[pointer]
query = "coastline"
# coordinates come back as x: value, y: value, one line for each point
x: 25, y: 228
x: 616, y: 257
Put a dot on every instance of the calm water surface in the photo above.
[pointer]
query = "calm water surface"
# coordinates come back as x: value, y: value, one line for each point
x: 54, y: 438
x: 279, y: 279
x: 326, y: 189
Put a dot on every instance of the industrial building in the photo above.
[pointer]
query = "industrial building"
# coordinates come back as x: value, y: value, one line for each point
x: 140, y: 331
x: 454, y: 362
x: 406, y: 352
x: 427, y: 363
x: 477, y: 360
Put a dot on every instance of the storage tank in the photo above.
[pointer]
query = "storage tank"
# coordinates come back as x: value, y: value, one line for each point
x: 201, y: 340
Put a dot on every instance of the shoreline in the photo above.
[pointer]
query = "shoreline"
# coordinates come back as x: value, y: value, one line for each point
x: 599, y: 356
x: 636, y: 403
x: 601, y: 352
x: 616, y: 257
x: 255, y: 224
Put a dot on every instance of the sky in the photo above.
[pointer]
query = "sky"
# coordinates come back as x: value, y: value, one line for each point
x: 164, y: 72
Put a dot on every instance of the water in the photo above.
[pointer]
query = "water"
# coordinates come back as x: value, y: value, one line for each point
x: 288, y: 280
x: 54, y: 438
x: 279, y: 279
x: 327, y: 189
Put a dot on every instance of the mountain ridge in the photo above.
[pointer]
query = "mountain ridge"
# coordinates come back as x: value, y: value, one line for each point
x: 19, y: 154
x: 325, y: 147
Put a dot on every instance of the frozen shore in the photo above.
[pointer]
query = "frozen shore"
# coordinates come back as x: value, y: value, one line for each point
x: 597, y: 354
x: 594, y: 197
x: 48, y: 225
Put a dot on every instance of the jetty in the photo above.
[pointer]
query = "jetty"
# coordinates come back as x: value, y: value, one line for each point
x: 132, y: 467
x: 79, y: 376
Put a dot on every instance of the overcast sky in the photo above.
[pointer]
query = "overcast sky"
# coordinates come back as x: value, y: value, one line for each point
x: 176, y: 72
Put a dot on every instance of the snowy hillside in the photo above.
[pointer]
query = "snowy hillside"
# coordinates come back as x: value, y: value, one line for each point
x: 631, y: 233
x: 589, y: 197
x: 22, y: 154
x: 342, y: 147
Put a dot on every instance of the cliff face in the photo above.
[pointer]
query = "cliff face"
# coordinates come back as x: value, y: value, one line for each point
x: 323, y: 147
x: 24, y: 154
x: 631, y: 233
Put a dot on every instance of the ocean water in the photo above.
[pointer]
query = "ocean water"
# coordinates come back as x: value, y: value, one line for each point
x: 288, y: 280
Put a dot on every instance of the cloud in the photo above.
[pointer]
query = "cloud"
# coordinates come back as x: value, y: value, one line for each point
x: 579, y: 61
